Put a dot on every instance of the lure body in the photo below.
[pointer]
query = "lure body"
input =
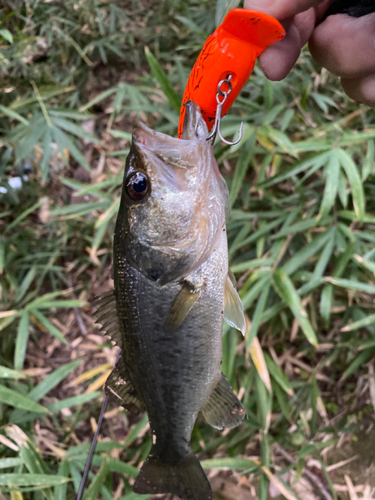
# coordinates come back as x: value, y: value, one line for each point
x: 231, y: 49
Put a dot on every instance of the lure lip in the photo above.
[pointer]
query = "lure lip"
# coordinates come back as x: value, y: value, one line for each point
x: 231, y: 50
x: 238, y: 21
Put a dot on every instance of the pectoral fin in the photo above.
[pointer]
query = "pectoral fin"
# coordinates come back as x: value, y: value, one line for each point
x: 223, y: 410
x: 233, y: 308
x: 107, y: 315
x: 182, y: 305
x: 119, y: 385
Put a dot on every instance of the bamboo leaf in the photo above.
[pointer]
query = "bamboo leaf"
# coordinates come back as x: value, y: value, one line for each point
x: 351, y: 284
x: 13, y: 398
x: 331, y: 185
x: 65, y: 142
x: 279, y: 485
x: 61, y: 490
x: 6, y: 34
x: 5, y: 463
x: 241, y: 167
x: 79, y: 208
x: 41, y: 480
x: 229, y: 463
x: 289, y: 295
x: 13, y: 114
x: 325, y: 303
x: 162, y: 78
x: 52, y: 380
x: 73, y: 401
x: 305, y: 253
x: 369, y: 163
x: 366, y: 321
x: 355, y: 183
x: 257, y: 356
x: 8, y: 373
x: 360, y: 360
x: 222, y: 8
x: 93, y: 491
x: 21, y: 341
x: 278, y: 375
x: 299, y: 167
x: 48, y: 325
x: 256, y: 320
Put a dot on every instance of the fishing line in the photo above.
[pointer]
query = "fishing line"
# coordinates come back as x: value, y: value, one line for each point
x: 94, y: 440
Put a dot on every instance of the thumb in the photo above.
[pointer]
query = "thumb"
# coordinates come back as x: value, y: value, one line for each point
x: 281, y: 9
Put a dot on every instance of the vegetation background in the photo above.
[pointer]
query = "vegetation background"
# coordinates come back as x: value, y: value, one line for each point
x: 74, y: 76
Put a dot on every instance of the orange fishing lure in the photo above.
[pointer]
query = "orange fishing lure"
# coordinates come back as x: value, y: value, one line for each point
x: 231, y: 50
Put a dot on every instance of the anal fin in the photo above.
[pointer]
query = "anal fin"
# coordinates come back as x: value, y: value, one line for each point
x: 119, y: 385
x: 223, y: 409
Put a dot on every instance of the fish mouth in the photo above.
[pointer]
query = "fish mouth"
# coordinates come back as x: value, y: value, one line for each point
x: 194, y: 128
x: 194, y: 125
x: 171, y: 162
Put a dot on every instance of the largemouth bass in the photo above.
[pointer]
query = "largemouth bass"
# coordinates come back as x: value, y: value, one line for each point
x: 171, y: 293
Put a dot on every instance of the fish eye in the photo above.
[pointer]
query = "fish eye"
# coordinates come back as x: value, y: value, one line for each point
x: 137, y: 186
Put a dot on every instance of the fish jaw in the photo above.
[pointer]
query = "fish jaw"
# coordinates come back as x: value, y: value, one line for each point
x: 174, y: 229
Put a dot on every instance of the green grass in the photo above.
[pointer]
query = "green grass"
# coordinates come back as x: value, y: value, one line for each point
x: 301, y: 238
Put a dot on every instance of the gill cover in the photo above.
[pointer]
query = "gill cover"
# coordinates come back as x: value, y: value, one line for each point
x: 172, y: 231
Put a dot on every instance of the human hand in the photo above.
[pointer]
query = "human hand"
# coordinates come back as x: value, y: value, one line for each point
x: 344, y: 45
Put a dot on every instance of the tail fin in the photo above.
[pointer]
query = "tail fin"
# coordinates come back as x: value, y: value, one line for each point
x: 186, y: 479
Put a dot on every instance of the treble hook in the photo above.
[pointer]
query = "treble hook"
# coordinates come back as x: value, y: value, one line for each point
x: 216, y: 128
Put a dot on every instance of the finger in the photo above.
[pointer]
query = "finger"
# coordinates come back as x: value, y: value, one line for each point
x: 345, y: 45
x: 281, y: 9
x: 278, y: 59
x: 360, y: 89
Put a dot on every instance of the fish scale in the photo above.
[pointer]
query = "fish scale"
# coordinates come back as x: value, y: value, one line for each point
x: 171, y: 371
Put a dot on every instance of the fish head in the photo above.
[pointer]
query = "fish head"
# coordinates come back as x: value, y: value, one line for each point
x: 173, y: 202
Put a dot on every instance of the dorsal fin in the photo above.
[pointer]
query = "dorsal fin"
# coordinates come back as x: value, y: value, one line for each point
x: 107, y: 316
